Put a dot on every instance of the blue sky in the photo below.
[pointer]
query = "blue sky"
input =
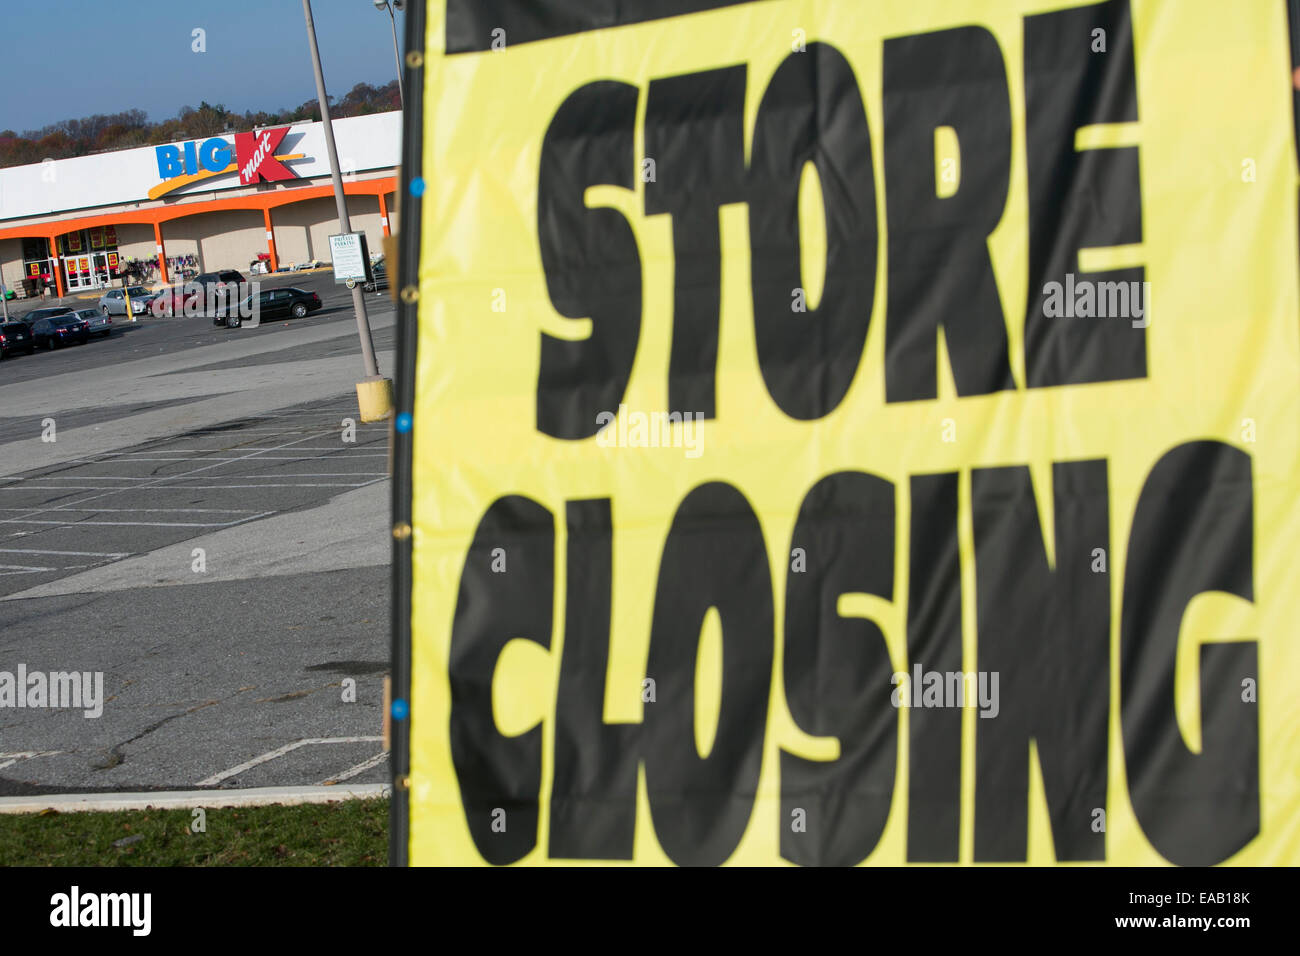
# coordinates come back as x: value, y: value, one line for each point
x: 65, y: 59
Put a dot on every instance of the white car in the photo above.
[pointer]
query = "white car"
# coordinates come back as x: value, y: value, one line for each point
x: 113, y: 302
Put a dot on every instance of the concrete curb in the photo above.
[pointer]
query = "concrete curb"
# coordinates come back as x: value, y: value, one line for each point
x: 185, y: 799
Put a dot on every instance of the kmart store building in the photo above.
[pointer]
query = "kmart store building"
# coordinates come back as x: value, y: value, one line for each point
x: 222, y: 202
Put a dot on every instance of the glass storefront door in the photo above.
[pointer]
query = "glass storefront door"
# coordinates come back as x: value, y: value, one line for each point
x: 76, y: 273
x: 89, y: 271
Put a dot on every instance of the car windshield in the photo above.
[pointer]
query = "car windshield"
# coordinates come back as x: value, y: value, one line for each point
x: 137, y: 290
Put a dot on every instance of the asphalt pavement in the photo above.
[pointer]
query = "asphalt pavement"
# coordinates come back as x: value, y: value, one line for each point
x: 205, y: 525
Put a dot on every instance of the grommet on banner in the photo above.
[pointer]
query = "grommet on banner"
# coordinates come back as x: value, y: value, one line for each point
x: 401, y: 531
x: 404, y: 422
x: 410, y: 294
x: 415, y: 59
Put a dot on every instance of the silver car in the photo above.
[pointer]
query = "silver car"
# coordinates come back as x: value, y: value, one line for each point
x: 113, y: 302
x: 98, y: 322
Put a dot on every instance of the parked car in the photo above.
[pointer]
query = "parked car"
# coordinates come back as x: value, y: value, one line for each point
x: 36, y: 315
x: 15, y: 337
x: 379, y: 276
x: 272, y: 304
x: 98, y: 323
x: 113, y: 302
x: 60, y: 330
x: 201, y: 295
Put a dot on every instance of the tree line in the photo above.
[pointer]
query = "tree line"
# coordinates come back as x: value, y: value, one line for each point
x: 130, y: 128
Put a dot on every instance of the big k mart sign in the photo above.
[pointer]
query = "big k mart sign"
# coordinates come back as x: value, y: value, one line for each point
x: 253, y: 156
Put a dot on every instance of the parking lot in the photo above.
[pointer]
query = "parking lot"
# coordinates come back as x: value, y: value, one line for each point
x: 149, y: 496
x: 150, y: 336
x: 225, y: 572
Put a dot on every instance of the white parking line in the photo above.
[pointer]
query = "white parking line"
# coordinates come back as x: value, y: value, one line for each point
x: 181, y: 454
x: 160, y: 481
x: 234, y: 458
x: 280, y: 752
x: 137, y: 524
x: 310, y: 474
x: 22, y: 568
x: 359, y: 769
x: 213, y: 451
x: 77, y: 554
x: 331, y: 484
x: 228, y: 511
x: 10, y: 759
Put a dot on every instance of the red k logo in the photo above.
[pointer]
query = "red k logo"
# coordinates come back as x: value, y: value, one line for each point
x: 255, y: 154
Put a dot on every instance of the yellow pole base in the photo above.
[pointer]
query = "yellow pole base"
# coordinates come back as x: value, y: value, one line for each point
x: 375, y: 398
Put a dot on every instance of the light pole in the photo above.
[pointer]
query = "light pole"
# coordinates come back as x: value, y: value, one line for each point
x: 358, y: 296
x: 392, y: 21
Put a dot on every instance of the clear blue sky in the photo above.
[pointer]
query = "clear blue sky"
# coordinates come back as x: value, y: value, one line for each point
x: 64, y: 59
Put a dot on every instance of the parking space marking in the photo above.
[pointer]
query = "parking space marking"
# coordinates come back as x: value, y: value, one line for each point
x: 206, y: 451
x: 76, y: 554
x: 359, y: 769
x: 159, y: 481
x: 216, y: 778
x: 309, y: 474
x: 10, y: 759
x: 136, y: 524
x: 222, y: 487
x: 216, y: 458
x: 170, y: 511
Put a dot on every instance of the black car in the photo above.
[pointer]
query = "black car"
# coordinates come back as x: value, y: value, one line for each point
x: 60, y: 330
x: 379, y: 277
x: 220, y: 290
x: 15, y: 337
x: 218, y: 278
x: 272, y: 304
x: 34, y: 316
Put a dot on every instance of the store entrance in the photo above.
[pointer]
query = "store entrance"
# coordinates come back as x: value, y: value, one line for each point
x: 90, y: 271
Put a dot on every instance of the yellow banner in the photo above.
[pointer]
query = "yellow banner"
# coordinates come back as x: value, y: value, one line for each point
x: 856, y: 432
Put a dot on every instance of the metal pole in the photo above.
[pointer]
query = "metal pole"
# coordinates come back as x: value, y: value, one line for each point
x: 392, y: 22
x: 358, y: 296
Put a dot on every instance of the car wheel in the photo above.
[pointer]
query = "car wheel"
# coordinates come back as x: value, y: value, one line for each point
x: 233, y: 321
x: 299, y: 310
x: 31, y: 349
